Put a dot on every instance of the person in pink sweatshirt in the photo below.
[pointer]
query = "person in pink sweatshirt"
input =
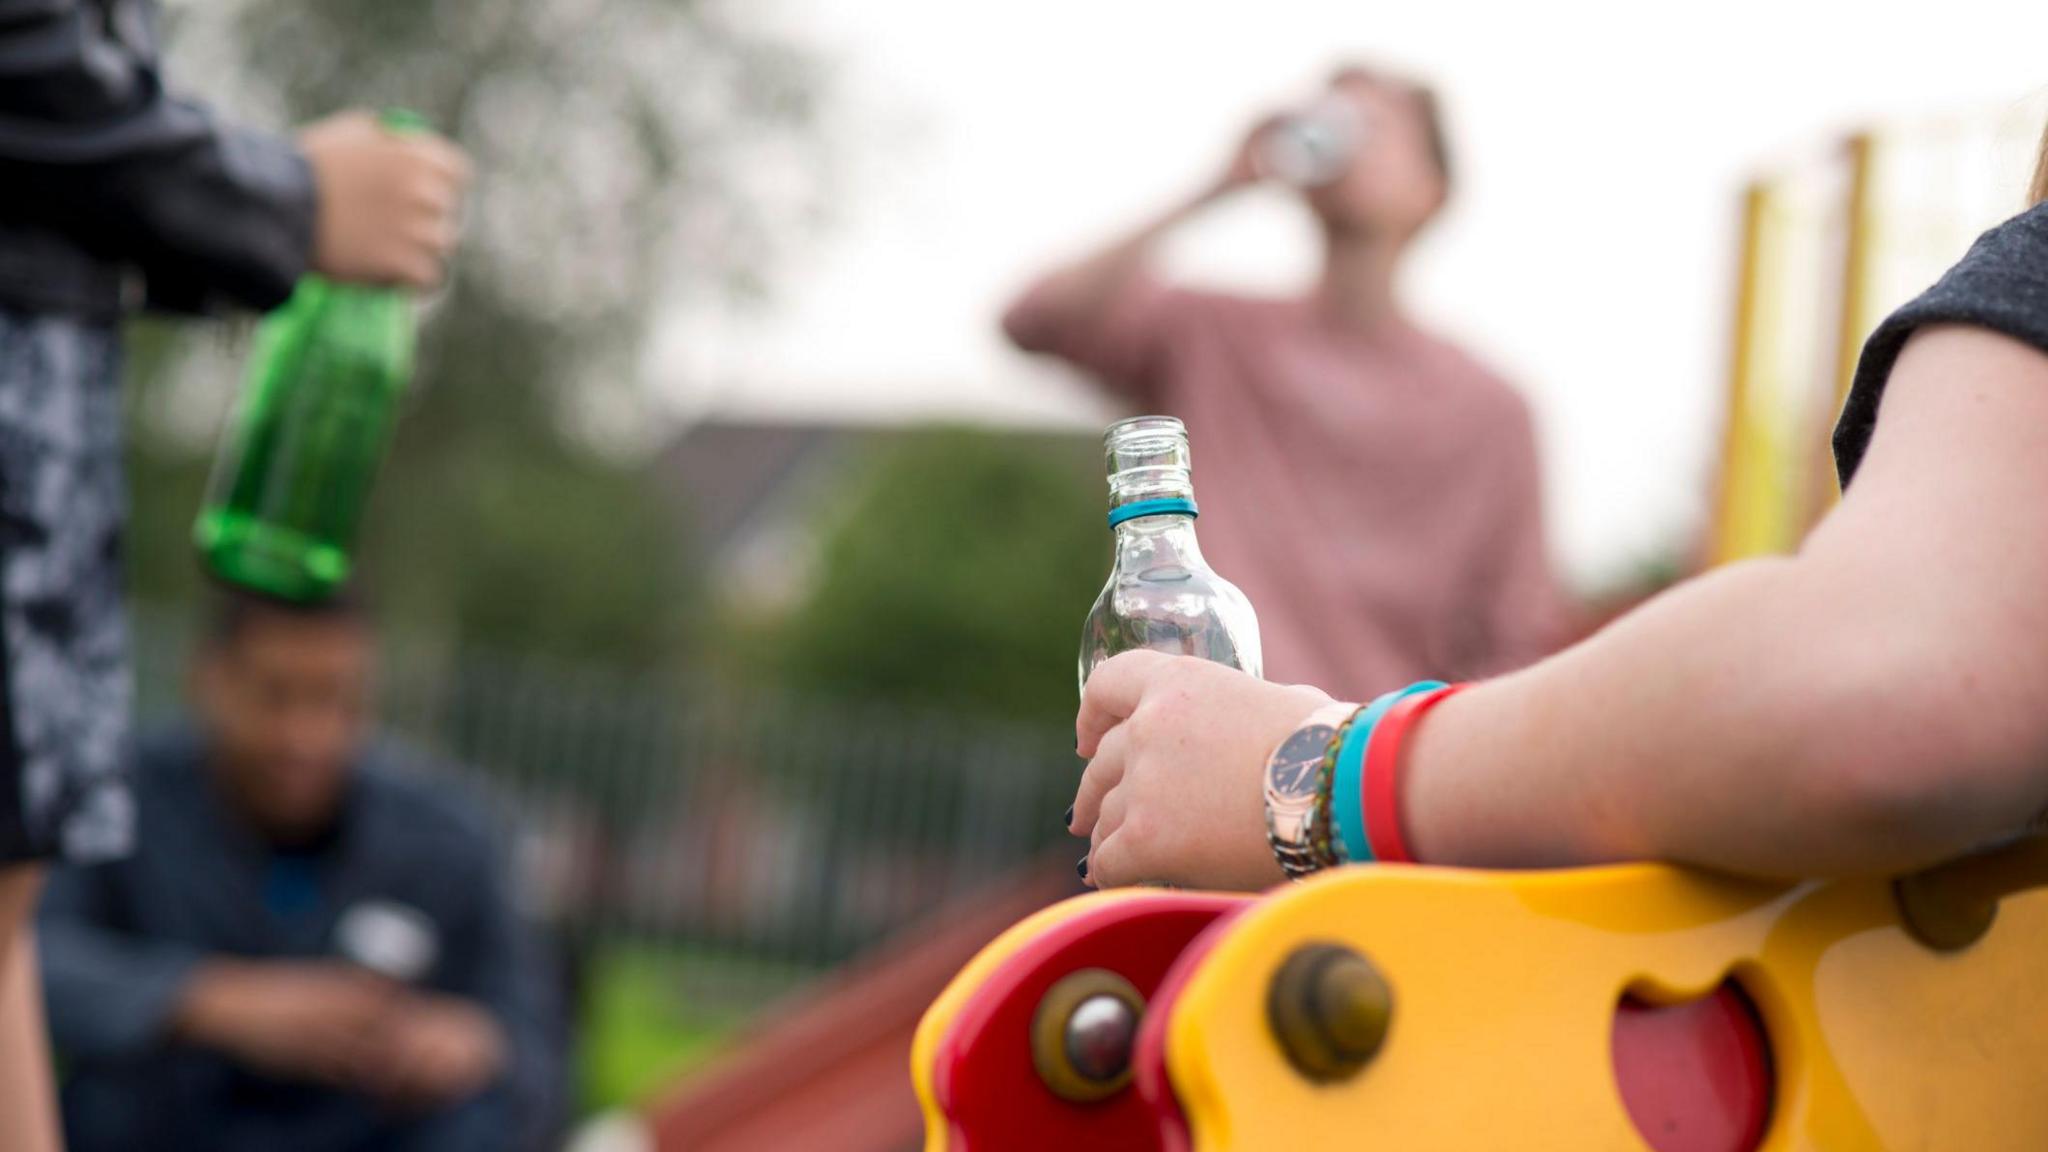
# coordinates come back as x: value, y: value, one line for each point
x: 1333, y: 416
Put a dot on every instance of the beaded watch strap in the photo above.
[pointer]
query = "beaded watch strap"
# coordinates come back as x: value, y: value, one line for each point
x: 1324, y: 847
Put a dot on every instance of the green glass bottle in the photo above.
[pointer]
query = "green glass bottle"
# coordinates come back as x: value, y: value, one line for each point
x: 306, y: 438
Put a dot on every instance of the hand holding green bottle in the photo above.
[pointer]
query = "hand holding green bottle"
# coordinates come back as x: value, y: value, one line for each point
x: 328, y: 369
x: 389, y: 194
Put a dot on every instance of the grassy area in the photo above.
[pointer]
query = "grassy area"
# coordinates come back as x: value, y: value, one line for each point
x: 653, y: 1014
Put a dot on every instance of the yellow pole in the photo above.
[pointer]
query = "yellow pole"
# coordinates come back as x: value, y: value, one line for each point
x: 1858, y: 255
x: 1733, y: 497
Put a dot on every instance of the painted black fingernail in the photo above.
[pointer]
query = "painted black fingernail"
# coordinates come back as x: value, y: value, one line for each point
x: 1068, y: 820
x: 1081, y: 867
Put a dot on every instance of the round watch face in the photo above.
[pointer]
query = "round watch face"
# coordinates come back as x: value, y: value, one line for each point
x: 1291, y: 792
x: 1291, y: 773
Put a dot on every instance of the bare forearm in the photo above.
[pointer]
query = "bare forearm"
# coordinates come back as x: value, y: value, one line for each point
x: 1087, y: 286
x: 27, y: 1096
x: 1765, y: 719
x: 204, y: 1008
x: 1877, y: 703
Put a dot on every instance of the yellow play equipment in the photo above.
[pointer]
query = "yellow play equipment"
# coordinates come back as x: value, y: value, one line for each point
x: 1420, y: 1008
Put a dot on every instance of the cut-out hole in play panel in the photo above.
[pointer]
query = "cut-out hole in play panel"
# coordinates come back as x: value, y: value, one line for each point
x: 1696, y: 1075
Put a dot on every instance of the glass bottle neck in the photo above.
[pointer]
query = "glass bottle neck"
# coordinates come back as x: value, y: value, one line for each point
x: 1148, y: 461
x: 1166, y: 538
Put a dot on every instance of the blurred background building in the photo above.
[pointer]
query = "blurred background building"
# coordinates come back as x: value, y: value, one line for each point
x: 732, y: 550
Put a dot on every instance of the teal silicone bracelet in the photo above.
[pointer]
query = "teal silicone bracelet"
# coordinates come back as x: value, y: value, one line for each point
x: 1347, y: 786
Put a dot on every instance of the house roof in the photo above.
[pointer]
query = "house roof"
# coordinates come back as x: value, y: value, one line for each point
x: 730, y: 477
x: 725, y: 476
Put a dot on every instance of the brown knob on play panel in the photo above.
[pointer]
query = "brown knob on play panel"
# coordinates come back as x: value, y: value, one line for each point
x: 1951, y: 906
x: 1083, y: 1034
x: 1329, y: 1008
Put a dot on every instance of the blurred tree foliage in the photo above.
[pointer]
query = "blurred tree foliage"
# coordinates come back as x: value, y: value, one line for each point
x: 956, y: 573
x: 629, y: 154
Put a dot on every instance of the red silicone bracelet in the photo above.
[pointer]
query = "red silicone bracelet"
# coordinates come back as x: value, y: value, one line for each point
x: 1382, y: 791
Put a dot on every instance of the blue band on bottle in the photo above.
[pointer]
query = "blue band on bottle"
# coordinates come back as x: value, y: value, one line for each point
x: 1174, y: 506
x: 1347, y: 784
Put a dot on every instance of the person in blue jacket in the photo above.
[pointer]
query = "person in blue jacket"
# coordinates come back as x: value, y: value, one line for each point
x: 115, y: 194
x: 315, y: 944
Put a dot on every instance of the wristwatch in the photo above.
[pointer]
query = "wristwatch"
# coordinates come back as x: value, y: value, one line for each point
x: 1294, y: 791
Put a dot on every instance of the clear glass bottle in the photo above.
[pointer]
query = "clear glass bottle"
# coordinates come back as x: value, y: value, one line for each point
x: 1313, y: 147
x: 1161, y: 594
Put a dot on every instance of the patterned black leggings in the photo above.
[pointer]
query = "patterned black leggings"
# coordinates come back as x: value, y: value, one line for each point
x: 64, y: 675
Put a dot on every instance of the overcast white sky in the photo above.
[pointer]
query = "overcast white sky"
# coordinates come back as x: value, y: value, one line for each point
x: 1589, y: 253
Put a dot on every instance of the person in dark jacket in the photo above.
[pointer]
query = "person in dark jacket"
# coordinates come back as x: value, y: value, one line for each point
x: 115, y: 194
x: 313, y: 947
